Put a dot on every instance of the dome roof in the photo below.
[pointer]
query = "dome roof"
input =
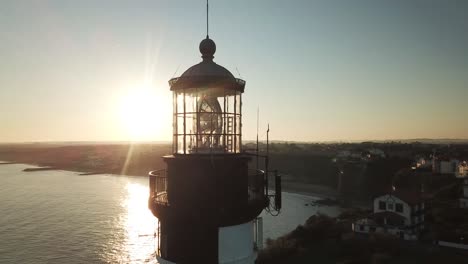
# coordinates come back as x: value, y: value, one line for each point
x: 207, y: 73
x: 207, y: 68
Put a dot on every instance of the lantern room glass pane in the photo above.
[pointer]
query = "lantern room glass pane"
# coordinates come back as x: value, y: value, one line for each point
x: 207, y: 120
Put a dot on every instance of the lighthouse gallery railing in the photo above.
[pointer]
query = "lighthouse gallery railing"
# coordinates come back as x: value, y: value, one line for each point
x: 158, y: 186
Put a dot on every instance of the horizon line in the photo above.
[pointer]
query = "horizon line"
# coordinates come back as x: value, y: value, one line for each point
x: 406, y: 140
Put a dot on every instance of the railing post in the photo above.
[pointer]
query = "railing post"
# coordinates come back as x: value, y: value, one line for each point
x: 152, y: 182
x: 159, y: 238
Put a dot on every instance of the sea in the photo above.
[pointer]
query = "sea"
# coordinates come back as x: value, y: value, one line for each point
x: 63, y: 217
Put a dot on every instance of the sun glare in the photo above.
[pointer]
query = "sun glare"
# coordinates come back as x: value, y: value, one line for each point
x: 144, y: 114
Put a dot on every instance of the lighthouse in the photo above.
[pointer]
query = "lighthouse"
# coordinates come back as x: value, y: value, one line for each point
x: 207, y: 199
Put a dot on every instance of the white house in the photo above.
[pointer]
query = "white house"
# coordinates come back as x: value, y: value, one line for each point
x: 445, y: 166
x: 400, y: 213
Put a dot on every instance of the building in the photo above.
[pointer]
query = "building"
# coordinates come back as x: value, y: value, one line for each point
x: 376, y: 153
x: 462, y: 170
x: 208, y: 199
x: 462, y: 173
x: 445, y: 165
x: 399, y: 213
x: 423, y: 163
x: 464, y: 198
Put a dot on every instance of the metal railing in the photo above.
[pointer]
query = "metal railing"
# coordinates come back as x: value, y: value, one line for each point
x: 257, y: 188
x: 158, y: 186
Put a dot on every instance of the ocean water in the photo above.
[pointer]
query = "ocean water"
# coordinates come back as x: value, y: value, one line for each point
x: 62, y: 217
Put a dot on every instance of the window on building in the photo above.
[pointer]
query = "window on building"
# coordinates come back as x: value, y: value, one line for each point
x: 382, y: 205
x: 399, y: 208
x: 361, y: 227
x: 390, y: 206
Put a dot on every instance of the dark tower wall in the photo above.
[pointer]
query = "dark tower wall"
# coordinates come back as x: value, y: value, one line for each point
x: 204, y: 193
x: 207, y: 182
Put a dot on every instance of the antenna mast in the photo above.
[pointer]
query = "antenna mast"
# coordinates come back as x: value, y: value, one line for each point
x: 207, y: 20
x: 258, y: 117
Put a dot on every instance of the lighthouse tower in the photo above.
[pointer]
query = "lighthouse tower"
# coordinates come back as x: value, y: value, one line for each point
x: 207, y: 200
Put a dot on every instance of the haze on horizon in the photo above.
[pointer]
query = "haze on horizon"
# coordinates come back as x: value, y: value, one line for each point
x: 318, y: 70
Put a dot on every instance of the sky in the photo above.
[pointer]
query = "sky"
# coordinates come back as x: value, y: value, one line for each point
x: 317, y: 70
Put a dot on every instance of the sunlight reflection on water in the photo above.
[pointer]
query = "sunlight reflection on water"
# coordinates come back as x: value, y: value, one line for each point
x: 140, y: 225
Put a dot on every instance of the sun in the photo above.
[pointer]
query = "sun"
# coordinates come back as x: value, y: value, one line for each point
x: 144, y: 113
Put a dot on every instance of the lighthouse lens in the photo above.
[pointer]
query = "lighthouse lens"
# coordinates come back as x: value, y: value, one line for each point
x: 210, y: 116
x: 207, y: 120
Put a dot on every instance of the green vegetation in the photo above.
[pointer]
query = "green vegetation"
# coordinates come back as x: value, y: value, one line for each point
x: 379, y: 175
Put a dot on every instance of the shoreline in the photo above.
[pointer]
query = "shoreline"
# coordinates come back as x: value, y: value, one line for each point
x: 7, y: 163
x: 39, y: 169
x: 323, y: 193
x: 301, y: 188
x: 309, y: 189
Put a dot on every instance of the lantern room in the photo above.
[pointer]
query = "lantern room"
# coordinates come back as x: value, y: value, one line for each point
x: 207, y: 107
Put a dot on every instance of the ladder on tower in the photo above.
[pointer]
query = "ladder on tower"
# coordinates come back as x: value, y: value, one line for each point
x: 229, y: 144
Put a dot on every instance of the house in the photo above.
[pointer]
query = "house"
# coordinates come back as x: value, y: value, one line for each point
x: 445, y: 165
x: 400, y: 213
